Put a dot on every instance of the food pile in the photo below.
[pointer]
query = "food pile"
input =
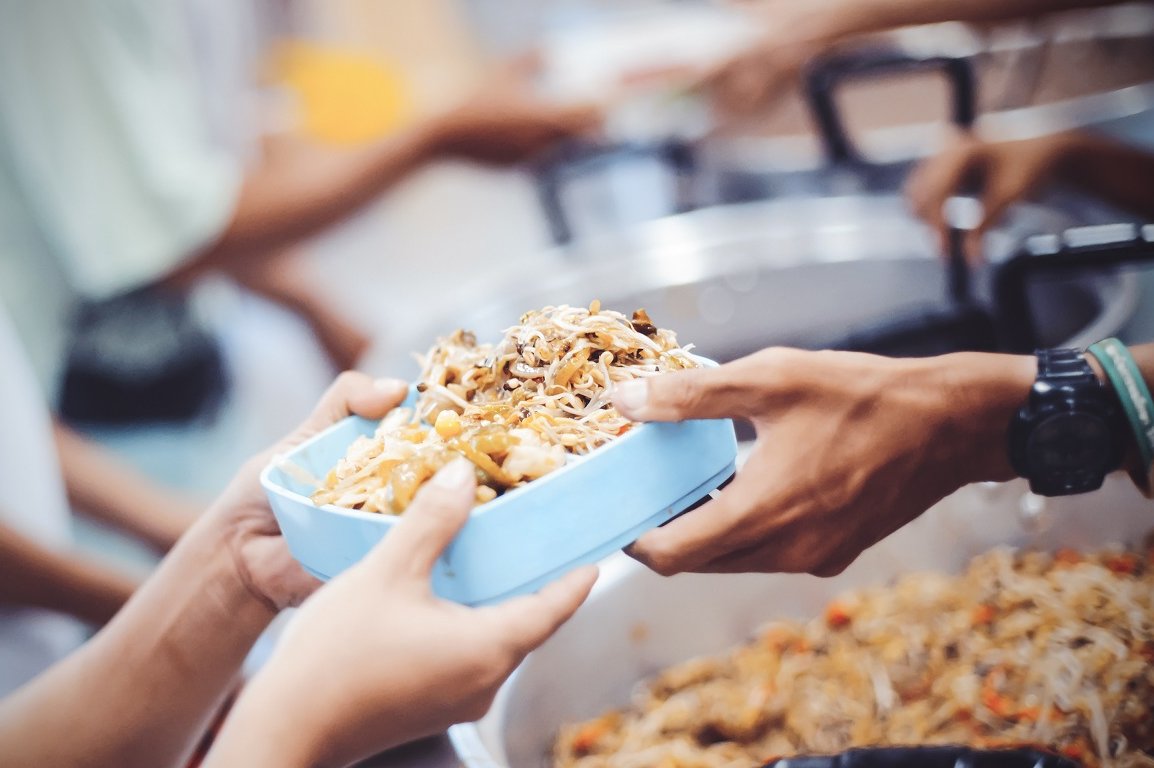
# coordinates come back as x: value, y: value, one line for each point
x: 1023, y: 648
x: 516, y: 409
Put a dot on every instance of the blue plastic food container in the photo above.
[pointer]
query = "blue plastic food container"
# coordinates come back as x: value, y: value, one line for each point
x: 518, y: 542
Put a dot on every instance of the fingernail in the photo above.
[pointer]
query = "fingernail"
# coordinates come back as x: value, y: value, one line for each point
x: 631, y: 396
x: 391, y: 387
x: 455, y: 475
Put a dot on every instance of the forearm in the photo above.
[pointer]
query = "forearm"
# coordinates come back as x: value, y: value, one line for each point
x: 978, y: 394
x: 110, y: 491
x: 279, y: 742
x: 141, y: 691
x: 35, y: 577
x: 300, y: 191
x: 1116, y: 172
x: 854, y: 17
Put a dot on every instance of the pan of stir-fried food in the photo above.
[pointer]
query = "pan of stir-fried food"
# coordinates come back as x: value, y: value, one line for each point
x: 562, y: 478
x: 964, y: 629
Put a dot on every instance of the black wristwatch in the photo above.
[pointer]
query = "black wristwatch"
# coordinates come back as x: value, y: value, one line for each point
x: 1070, y: 433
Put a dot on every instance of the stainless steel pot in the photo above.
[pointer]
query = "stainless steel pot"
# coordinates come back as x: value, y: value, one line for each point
x: 637, y: 622
x: 807, y: 273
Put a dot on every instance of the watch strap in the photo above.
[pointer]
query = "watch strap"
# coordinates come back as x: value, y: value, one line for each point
x: 1064, y: 365
x: 1137, y: 404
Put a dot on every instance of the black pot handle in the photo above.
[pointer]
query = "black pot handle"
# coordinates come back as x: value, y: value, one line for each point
x: 1096, y: 247
x: 826, y: 73
x: 930, y: 757
x: 576, y: 159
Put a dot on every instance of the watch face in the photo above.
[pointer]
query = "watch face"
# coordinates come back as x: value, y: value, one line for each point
x: 1068, y: 442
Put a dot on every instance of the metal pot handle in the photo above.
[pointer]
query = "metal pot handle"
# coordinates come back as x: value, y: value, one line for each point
x: 825, y: 74
x: 576, y: 159
x: 1095, y: 247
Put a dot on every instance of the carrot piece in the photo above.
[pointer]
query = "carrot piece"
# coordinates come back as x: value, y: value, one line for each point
x: 1123, y: 564
x: 838, y: 615
x: 588, y: 735
x: 983, y: 614
x: 992, y: 699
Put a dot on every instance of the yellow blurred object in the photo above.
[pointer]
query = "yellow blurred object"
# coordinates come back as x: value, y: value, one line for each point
x: 346, y: 97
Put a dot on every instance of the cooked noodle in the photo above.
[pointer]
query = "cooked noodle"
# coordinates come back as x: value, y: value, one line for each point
x: 1052, y: 650
x: 516, y: 409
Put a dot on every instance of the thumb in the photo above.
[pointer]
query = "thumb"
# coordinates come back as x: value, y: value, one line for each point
x: 714, y: 393
x: 438, y: 512
x: 528, y: 621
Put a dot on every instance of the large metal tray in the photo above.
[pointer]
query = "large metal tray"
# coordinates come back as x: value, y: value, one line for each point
x: 637, y: 622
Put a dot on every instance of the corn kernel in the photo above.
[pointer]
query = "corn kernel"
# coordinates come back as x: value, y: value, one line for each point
x: 448, y: 424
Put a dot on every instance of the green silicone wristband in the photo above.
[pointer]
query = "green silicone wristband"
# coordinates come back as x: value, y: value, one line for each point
x: 1133, y: 393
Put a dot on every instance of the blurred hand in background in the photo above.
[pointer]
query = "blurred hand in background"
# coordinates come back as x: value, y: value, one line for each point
x: 1009, y: 171
x: 504, y: 122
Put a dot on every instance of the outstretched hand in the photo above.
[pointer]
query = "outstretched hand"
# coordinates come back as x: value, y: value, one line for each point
x: 850, y: 447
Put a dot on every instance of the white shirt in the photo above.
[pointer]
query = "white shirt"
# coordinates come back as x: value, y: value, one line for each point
x: 122, y: 129
x: 33, y: 502
x: 123, y: 139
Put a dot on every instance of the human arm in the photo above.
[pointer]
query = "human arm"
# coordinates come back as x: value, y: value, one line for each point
x: 302, y: 188
x: 850, y: 447
x: 35, y: 576
x: 797, y: 30
x: 375, y: 659
x: 108, y: 490
x: 141, y: 690
x: 1006, y: 172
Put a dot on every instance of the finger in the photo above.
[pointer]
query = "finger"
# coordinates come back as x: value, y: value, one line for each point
x: 580, y: 119
x: 766, y: 560
x: 438, y: 512
x: 769, y: 557
x: 352, y: 393
x: 934, y: 182
x: 1000, y: 194
x: 974, y: 247
x: 795, y: 542
x: 526, y: 622
x: 721, y: 527
x: 741, y: 389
